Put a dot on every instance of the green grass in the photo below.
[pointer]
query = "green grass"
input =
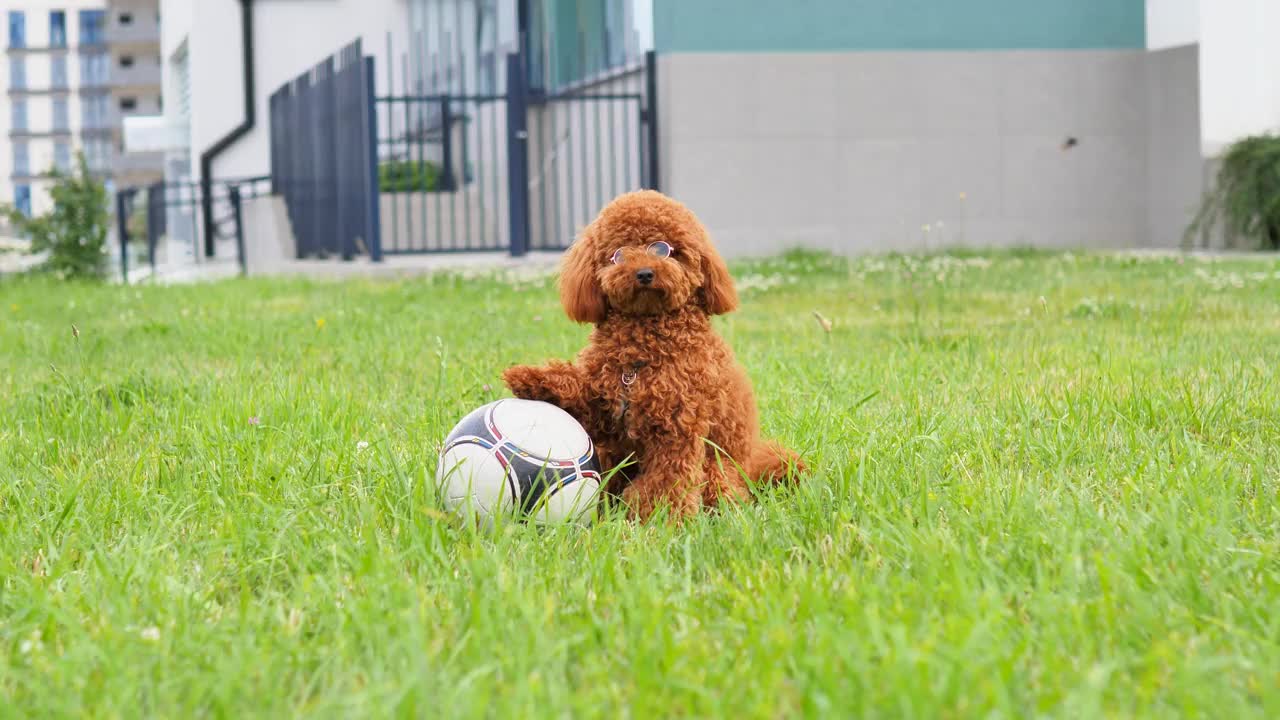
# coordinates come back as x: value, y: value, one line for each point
x: 1046, y: 485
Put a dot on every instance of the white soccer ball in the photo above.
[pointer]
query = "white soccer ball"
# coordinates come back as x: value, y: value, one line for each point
x: 520, y: 458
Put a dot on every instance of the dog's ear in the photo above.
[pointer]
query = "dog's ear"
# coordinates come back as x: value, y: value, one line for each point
x: 580, y: 292
x: 718, y: 291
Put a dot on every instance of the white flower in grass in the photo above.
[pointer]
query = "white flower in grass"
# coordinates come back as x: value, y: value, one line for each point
x: 362, y: 446
x: 150, y: 634
x: 31, y: 644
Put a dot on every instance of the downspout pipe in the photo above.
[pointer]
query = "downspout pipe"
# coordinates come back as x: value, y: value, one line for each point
x: 247, y: 125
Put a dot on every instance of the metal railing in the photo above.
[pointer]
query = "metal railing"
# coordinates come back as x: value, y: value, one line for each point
x: 514, y: 169
x: 171, y: 214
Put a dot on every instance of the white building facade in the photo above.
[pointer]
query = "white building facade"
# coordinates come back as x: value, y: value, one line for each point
x: 58, y: 97
x: 1239, y: 62
x: 418, y: 46
x: 203, y: 75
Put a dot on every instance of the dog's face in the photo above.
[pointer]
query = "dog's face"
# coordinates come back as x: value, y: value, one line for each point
x: 645, y: 254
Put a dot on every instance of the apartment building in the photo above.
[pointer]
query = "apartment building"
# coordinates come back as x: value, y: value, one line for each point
x: 56, y: 89
x: 133, y: 40
x: 74, y: 70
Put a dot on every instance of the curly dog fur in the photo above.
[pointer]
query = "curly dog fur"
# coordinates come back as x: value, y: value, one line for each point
x: 656, y: 384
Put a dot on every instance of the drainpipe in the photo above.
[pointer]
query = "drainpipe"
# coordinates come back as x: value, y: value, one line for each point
x: 250, y: 108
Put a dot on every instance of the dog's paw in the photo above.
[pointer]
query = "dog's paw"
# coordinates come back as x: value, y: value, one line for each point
x: 642, y: 503
x: 525, y: 382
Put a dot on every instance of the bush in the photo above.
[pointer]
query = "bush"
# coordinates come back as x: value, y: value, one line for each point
x: 74, y: 232
x: 399, y: 176
x: 1244, y: 203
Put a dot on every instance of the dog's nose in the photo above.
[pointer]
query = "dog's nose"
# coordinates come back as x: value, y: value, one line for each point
x: 644, y: 276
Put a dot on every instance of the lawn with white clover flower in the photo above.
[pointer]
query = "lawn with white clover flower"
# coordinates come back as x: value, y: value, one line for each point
x: 1044, y: 485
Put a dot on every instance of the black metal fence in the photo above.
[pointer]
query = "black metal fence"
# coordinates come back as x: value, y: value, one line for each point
x: 517, y: 168
x: 427, y: 167
x: 587, y: 145
x: 157, y: 223
x: 322, y: 158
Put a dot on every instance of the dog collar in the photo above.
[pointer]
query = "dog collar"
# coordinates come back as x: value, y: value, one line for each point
x: 629, y: 376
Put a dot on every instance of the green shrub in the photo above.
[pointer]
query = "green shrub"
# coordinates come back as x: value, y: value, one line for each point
x: 74, y: 232
x: 397, y: 176
x: 1244, y: 204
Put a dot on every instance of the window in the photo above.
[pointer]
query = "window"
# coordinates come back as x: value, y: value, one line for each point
x: 17, y: 73
x: 93, y: 69
x: 17, y: 29
x: 57, y: 29
x: 93, y: 112
x: 92, y: 27
x: 62, y: 156
x: 58, y: 71
x: 98, y: 154
x: 126, y: 61
x: 61, y: 117
x: 22, y: 199
x: 126, y: 18
x: 18, y: 119
x: 21, y: 160
x: 128, y: 104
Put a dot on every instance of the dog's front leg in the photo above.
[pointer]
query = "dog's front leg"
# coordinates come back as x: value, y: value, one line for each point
x: 559, y: 383
x: 672, y: 475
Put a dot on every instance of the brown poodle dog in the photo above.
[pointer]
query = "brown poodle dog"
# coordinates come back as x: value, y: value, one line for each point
x: 656, y: 384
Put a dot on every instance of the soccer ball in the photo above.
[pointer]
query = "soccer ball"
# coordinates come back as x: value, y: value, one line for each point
x: 520, y: 457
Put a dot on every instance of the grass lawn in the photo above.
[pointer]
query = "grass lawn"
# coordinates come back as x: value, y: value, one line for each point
x: 1045, y: 484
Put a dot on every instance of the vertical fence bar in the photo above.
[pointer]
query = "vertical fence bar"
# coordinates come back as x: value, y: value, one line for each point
x: 496, y: 171
x: 155, y: 206
x: 206, y: 188
x: 438, y: 194
x: 450, y: 177
x: 570, y: 205
x: 627, y: 139
x: 373, y: 206
x: 613, y: 152
x: 238, y: 218
x: 424, y: 122
x: 540, y: 170
x: 517, y: 155
x: 389, y: 104
x: 651, y: 100
x: 599, y: 157
x: 585, y: 194
x: 122, y: 229
x: 411, y: 140
x: 553, y: 109
x: 440, y: 85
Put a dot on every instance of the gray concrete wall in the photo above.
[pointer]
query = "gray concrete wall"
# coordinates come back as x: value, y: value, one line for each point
x: 875, y: 151
x: 269, y: 244
x: 1175, y: 168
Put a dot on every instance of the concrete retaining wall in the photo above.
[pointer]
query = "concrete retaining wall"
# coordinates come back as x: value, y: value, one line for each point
x: 875, y: 151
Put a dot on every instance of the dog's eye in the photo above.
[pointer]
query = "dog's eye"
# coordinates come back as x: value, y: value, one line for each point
x: 661, y: 249
x: 617, y: 256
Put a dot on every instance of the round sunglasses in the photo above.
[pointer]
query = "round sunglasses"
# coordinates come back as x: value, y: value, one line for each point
x: 659, y: 249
